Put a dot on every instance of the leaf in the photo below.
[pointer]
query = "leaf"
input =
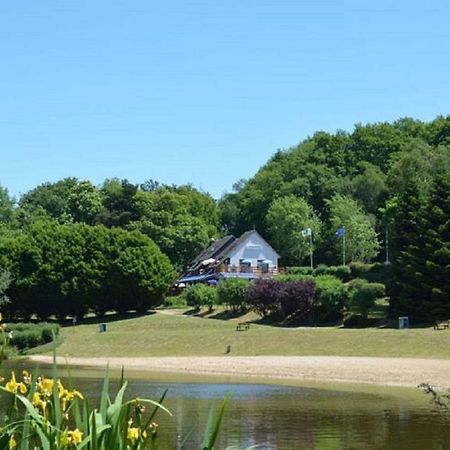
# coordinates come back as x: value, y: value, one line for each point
x: 208, y: 443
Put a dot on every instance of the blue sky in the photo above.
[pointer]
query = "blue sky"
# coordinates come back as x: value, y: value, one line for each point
x: 204, y: 91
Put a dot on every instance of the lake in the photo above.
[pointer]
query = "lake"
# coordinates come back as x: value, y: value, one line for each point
x: 286, y: 417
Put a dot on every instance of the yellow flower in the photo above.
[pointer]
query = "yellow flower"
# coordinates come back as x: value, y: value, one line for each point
x: 75, y: 436
x: 12, y: 444
x: 67, y: 396
x: 13, y: 386
x: 38, y: 402
x: 133, y: 434
x: 45, y: 386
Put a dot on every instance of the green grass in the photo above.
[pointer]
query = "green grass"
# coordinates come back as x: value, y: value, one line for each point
x: 177, y: 335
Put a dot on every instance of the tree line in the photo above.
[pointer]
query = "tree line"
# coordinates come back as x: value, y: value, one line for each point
x: 385, y: 184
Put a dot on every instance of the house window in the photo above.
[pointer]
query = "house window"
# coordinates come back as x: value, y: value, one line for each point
x: 245, y: 265
x: 263, y: 264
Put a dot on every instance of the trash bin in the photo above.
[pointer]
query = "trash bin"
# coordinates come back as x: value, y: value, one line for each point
x: 403, y: 323
x: 103, y: 328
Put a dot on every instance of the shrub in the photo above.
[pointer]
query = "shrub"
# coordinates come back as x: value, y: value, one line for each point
x: 232, y: 292
x: 332, y: 298
x: 344, y: 273
x: 297, y: 299
x: 176, y: 301
x: 299, y: 270
x: 323, y: 269
x: 293, y: 277
x: 263, y: 297
x: 281, y: 299
x: 29, y: 335
x: 363, y: 295
x: 66, y: 270
x: 198, y: 295
x: 359, y: 270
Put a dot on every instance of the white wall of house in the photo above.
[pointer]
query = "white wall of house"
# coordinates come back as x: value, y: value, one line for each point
x: 254, y: 248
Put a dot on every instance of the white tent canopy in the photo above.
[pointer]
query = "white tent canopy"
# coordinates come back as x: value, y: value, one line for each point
x: 207, y: 262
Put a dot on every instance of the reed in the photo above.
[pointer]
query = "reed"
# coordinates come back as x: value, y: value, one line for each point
x: 43, y: 413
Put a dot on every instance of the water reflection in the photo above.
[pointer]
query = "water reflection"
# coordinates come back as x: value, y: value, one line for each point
x: 280, y: 417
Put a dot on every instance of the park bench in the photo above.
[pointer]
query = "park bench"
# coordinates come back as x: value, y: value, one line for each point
x: 441, y: 324
x: 243, y: 326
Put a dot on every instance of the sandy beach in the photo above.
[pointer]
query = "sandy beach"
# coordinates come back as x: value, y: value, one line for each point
x: 406, y: 372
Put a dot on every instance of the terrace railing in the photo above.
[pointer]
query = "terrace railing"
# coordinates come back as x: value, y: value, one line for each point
x: 259, y: 271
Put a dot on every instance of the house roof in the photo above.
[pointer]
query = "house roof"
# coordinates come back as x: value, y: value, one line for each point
x: 215, y: 250
x: 243, y: 238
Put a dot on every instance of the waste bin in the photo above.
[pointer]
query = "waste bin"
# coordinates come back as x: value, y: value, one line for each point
x: 103, y: 328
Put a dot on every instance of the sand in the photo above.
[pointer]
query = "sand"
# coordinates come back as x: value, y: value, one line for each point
x: 405, y: 372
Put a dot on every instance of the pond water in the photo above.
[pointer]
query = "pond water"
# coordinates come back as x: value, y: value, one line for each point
x: 283, y: 417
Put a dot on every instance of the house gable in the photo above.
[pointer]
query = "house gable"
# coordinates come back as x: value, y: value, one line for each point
x: 251, y: 247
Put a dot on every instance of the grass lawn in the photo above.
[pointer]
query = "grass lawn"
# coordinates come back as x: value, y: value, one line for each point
x: 179, y: 335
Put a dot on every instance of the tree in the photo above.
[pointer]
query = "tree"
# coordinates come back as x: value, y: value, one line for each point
x: 139, y: 274
x: 369, y: 187
x: 84, y: 203
x: 50, y: 197
x: 6, y: 206
x: 286, y: 218
x: 420, y: 286
x: 70, y: 269
x: 5, y: 281
x: 436, y: 248
x: 361, y: 243
x: 180, y: 220
x: 412, y: 165
x: 118, y: 200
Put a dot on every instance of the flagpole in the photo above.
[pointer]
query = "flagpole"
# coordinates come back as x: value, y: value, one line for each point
x: 343, y: 248
x: 311, y: 249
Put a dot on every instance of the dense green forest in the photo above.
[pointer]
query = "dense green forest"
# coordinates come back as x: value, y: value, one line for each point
x: 66, y: 243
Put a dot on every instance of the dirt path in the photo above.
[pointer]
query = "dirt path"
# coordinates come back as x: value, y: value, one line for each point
x: 408, y: 372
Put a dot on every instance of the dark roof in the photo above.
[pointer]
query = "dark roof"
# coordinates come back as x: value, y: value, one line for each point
x: 215, y: 250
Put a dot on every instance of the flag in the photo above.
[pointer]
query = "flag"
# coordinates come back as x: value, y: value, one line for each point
x: 306, y: 232
x: 340, y: 232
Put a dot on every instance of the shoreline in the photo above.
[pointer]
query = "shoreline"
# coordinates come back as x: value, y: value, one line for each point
x: 377, y: 371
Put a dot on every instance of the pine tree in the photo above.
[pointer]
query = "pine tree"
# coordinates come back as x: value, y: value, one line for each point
x: 408, y: 296
x: 436, y: 249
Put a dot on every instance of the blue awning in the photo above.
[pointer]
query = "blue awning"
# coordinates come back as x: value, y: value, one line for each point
x: 193, y: 278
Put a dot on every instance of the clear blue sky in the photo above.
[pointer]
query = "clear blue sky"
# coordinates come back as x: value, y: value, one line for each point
x: 204, y: 91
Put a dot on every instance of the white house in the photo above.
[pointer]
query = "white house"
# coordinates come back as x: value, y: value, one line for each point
x: 248, y: 256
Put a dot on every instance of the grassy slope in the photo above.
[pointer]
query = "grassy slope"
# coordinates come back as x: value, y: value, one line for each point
x: 173, y: 335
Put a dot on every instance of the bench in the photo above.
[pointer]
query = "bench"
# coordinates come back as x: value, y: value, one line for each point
x: 243, y: 326
x: 441, y: 324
